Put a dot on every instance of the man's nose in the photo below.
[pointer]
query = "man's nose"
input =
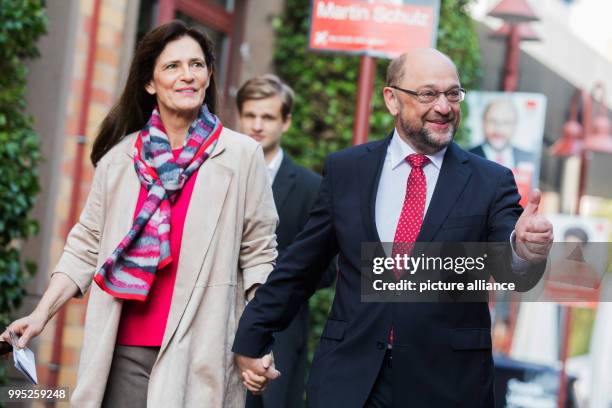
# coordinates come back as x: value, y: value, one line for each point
x: 442, y: 105
x: 257, y: 124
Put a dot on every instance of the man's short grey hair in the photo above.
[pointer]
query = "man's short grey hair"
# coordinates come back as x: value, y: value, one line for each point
x: 395, y: 70
x: 501, y: 101
x: 397, y: 67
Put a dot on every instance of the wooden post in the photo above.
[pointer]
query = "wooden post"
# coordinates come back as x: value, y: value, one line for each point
x: 365, y: 85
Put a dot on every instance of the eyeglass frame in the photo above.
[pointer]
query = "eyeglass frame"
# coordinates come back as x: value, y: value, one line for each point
x: 438, y: 93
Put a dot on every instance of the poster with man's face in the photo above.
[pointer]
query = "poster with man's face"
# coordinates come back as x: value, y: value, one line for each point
x: 508, y: 127
x: 579, y: 257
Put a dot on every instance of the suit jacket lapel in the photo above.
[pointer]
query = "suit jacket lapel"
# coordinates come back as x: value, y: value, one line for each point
x: 453, y: 178
x: 211, y: 187
x: 284, y: 181
x: 370, y: 167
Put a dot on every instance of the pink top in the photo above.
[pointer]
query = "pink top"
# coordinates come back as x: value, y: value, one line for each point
x: 144, y: 323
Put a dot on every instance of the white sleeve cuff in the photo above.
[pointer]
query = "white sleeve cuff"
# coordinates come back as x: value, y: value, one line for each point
x: 519, y: 265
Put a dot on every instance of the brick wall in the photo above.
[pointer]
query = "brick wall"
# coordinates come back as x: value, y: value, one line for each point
x: 111, y: 29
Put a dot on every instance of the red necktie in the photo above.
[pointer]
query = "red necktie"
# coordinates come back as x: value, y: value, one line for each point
x: 411, y: 218
x: 500, y: 159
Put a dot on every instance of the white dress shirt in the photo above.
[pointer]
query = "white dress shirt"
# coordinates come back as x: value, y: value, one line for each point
x: 392, y: 185
x: 274, y: 165
x: 504, y: 157
x: 392, y: 191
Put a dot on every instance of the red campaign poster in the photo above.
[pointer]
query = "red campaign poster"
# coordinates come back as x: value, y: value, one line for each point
x: 378, y: 28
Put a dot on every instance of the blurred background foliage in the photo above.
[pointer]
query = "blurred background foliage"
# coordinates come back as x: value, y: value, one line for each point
x: 326, y: 85
x: 21, y: 24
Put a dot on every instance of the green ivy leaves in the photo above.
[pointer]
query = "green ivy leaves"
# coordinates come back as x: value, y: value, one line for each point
x: 21, y: 24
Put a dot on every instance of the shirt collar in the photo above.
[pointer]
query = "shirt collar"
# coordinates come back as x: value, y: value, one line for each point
x: 399, y: 150
x: 275, y: 164
x: 492, y: 154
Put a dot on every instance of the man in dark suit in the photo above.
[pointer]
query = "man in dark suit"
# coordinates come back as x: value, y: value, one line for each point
x: 416, y: 185
x: 499, y: 121
x: 264, y: 105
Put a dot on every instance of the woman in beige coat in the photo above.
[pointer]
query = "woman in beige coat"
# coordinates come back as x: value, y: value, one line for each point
x: 177, y: 232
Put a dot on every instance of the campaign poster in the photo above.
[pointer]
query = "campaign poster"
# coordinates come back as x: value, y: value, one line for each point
x: 508, y: 127
x: 578, y: 259
x: 381, y: 28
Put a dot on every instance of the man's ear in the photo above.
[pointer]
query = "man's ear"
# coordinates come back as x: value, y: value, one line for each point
x: 287, y: 123
x: 150, y: 88
x: 391, y: 101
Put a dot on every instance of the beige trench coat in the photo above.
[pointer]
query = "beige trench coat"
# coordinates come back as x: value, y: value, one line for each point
x: 228, y: 245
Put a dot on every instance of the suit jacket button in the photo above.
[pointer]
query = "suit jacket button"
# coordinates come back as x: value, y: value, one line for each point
x: 380, y: 345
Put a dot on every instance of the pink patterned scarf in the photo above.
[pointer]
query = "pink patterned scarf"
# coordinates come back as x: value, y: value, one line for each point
x: 129, y: 271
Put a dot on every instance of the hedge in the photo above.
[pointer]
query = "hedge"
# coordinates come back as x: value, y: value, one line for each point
x: 21, y: 24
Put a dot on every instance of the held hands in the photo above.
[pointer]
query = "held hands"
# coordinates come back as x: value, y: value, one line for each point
x: 256, y: 372
x: 533, y: 232
x: 26, y: 328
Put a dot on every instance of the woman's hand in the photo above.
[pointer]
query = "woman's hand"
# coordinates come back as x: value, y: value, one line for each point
x: 26, y: 328
x: 61, y: 289
x: 256, y: 372
x: 250, y: 294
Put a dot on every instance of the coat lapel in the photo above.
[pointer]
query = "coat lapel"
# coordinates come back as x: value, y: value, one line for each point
x: 453, y: 178
x: 207, y: 199
x: 124, y: 186
x: 284, y: 181
x: 370, y: 167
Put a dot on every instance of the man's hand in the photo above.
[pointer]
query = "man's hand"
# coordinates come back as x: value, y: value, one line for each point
x: 256, y: 372
x: 533, y: 232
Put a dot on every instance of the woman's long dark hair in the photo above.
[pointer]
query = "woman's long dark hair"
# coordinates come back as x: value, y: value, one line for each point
x: 135, y: 105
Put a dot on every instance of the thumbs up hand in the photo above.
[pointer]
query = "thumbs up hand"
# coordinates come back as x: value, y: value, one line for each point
x: 533, y: 232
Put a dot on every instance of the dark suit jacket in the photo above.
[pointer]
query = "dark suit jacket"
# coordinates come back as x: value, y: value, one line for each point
x: 519, y: 155
x: 295, y: 190
x: 442, y: 352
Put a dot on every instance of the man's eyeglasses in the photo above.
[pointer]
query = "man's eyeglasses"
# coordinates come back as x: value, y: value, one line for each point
x: 454, y: 95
